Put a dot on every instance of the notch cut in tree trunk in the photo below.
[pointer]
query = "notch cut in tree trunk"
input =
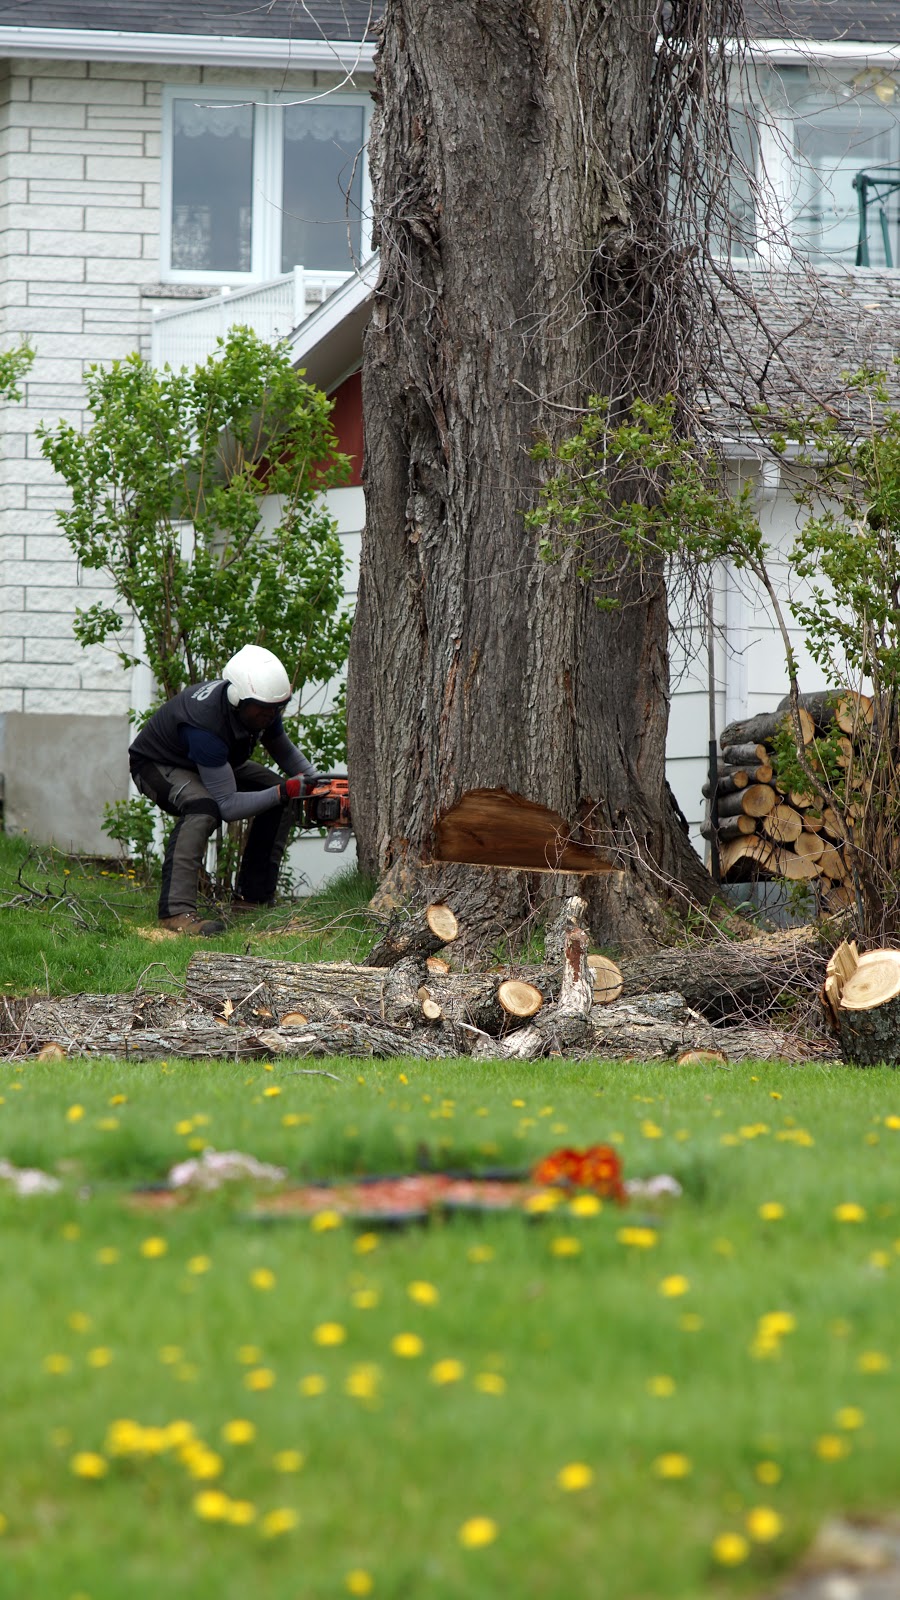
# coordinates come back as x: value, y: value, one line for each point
x: 493, y: 828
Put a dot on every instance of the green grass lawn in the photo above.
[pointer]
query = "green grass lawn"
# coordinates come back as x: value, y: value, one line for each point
x: 613, y: 1406
x: 558, y: 1370
x: 69, y: 926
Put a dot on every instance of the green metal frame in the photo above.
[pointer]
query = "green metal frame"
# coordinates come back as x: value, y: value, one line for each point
x: 875, y: 188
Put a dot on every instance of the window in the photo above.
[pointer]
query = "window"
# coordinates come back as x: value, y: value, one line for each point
x: 824, y: 133
x: 254, y: 185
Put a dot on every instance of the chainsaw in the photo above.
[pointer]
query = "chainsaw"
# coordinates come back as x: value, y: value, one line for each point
x: 325, y: 803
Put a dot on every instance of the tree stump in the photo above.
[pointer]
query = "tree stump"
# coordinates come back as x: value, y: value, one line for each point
x: 868, y: 1012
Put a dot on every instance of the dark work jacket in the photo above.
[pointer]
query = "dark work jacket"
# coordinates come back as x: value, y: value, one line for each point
x: 201, y: 705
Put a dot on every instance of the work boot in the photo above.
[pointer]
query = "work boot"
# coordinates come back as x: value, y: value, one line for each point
x: 191, y: 922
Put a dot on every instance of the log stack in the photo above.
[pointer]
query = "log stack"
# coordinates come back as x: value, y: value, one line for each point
x: 768, y: 831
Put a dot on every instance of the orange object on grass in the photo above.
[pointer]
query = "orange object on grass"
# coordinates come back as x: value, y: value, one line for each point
x: 598, y: 1168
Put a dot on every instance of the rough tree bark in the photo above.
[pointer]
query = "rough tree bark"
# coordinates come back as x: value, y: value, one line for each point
x: 514, y: 200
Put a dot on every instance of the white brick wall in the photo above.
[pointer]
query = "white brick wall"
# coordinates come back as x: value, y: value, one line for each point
x: 79, y: 240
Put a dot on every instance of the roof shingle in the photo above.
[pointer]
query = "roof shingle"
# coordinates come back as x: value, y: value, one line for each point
x: 244, y: 19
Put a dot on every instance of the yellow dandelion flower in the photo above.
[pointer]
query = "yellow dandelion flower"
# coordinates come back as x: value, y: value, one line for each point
x: 107, y: 1124
x: 637, y: 1238
x: 117, y: 1100
x: 70, y: 1231
x: 249, y: 1355
x: 424, y: 1294
x: 480, y: 1254
x: 771, y: 1211
x: 849, y: 1418
x: 107, y: 1256
x: 872, y: 1361
x: 477, y: 1532
x: 849, y: 1211
x: 271, y: 1091
x: 831, y: 1447
x: 313, y: 1384
x: 362, y: 1381
x: 205, y: 1464
x: 329, y: 1333
x: 263, y: 1278
x: 574, y: 1476
x: 88, y: 1464
x: 184, y: 1127
x: 241, y: 1513
x: 585, y: 1205
x: 773, y: 1324
x: 275, y: 1523
x: 359, y: 1582
x: 767, y: 1472
x: 153, y: 1247
x: 447, y: 1371
x: 489, y: 1383
x: 57, y: 1364
x: 672, y: 1465
x: 102, y: 1356
x: 880, y: 1260
x: 674, y: 1285
x: 288, y: 1460
x: 763, y: 1524
x: 198, y: 1264
x: 730, y: 1549
x: 565, y: 1246
x: 651, y: 1130
x: 211, y: 1505
x: 407, y: 1345
x: 365, y: 1299
x: 325, y: 1221
x: 661, y: 1385
x: 257, y: 1379
x: 178, y: 1433
x: 290, y: 1120
x: 365, y: 1243
x: 239, y: 1431
x: 75, y: 1113
x: 892, y: 1122
x: 537, y: 1205
x: 171, y: 1354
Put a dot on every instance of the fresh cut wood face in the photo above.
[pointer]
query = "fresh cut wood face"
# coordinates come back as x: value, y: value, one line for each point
x: 492, y: 828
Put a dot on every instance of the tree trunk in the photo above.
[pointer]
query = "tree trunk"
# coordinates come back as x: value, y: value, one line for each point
x: 515, y: 267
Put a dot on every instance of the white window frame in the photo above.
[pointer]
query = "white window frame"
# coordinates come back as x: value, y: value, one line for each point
x: 268, y: 147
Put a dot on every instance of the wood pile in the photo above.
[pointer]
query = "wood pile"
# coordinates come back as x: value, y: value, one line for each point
x: 766, y: 830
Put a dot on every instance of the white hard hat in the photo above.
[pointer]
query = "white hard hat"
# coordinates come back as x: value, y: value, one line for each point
x: 255, y: 674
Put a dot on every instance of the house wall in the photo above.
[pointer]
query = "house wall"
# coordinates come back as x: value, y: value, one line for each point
x: 79, y: 277
x: 749, y: 670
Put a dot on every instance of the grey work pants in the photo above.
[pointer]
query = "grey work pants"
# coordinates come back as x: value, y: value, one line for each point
x: 180, y: 792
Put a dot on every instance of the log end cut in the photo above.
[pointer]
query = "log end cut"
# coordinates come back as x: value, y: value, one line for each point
x: 875, y: 981
x: 493, y: 828
x: 607, y: 980
x: 519, y: 999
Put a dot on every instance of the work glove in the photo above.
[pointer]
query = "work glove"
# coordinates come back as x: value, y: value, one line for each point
x: 293, y: 788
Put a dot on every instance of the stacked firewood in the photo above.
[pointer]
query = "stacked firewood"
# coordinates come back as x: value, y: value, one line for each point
x: 766, y: 830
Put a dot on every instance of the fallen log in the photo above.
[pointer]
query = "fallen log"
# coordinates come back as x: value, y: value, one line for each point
x: 731, y: 979
x: 559, y: 1028
x: 414, y: 934
x: 252, y: 988
x: 849, y: 710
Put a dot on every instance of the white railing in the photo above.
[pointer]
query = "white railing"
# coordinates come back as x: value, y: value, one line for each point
x: 188, y: 334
